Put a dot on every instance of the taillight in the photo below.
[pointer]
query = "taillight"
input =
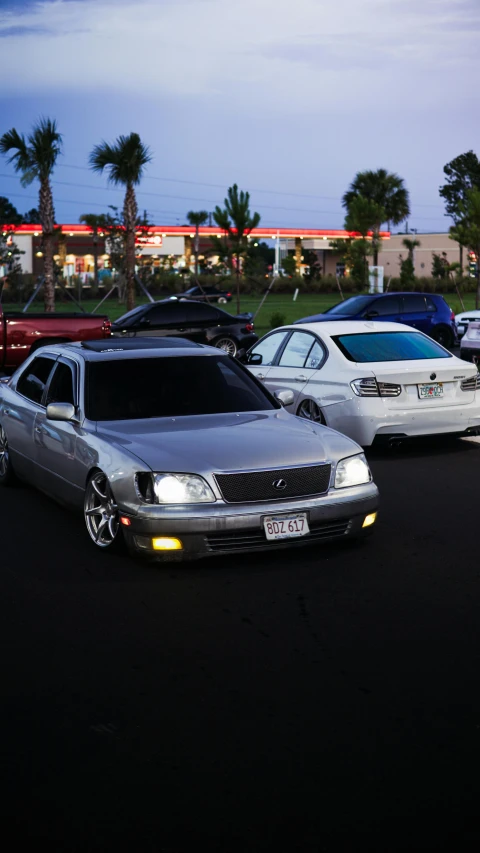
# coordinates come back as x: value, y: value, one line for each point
x: 452, y: 315
x: 249, y: 327
x: 107, y: 328
x: 369, y: 387
x: 229, y: 294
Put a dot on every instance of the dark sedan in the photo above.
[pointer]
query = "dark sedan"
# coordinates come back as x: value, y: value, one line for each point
x: 207, y: 294
x: 204, y: 324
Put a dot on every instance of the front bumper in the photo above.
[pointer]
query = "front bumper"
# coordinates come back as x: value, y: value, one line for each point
x: 228, y: 528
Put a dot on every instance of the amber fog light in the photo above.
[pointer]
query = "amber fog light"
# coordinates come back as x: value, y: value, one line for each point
x: 167, y: 543
x: 370, y: 519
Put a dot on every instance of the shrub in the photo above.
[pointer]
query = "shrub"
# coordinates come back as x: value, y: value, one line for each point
x: 277, y: 319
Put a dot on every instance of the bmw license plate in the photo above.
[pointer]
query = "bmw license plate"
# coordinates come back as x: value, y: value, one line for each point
x: 426, y: 392
x: 286, y: 526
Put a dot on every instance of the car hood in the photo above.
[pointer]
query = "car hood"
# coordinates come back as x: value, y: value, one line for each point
x: 227, y: 442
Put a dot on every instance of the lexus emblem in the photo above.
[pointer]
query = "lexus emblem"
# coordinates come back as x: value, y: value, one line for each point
x: 279, y: 485
x: 433, y: 376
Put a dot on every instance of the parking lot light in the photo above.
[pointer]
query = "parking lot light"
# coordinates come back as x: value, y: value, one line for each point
x: 370, y: 519
x: 167, y: 543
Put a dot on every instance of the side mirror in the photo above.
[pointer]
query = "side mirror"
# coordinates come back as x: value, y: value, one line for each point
x: 255, y: 358
x: 285, y: 398
x: 60, y: 412
x: 144, y: 321
x: 370, y: 315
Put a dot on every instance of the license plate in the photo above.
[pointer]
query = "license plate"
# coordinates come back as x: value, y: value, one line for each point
x: 435, y: 389
x: 286, y: 526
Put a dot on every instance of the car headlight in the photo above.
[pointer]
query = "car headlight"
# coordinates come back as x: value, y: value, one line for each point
x: 166, y: 488
x: 352, y: 471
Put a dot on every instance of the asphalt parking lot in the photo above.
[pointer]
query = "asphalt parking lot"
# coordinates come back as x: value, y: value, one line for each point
x: 322, y: 699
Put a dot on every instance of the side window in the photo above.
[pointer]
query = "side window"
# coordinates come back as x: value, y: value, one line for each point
x: 389, y: 305
x: 430, y: 304
x: 198, y: 312
x: 268, y: 348
x: 165, y: 315
x: 33, y: 380
x: 413, y: 303
x: 61, y: 387
x: 315, y: 356
x: 297, y: 349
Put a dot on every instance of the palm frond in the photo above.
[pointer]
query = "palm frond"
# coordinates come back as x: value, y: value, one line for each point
x: 45, y: 143
x: 12, y: 140
x: 125, y: 159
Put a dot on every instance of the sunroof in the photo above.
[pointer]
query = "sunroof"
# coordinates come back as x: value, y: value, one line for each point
x: 124, y: 344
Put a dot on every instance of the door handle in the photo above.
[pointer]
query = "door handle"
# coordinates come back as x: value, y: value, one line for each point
x: 260, y: 376
x: 7, y: 412
x: 300, y: 378
x: 38, y: 429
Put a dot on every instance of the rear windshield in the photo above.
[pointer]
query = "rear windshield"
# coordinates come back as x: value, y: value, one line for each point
x: 171, y: 387
x: 351, y: 306
x: 389, y: 346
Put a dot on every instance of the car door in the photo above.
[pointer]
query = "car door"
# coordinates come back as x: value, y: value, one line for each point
x: 23, y: 403
x: 201, y: 322
x: 387, y: 308
x: 293, y: 367
x: 414, y: 312
x: 58, y: 469
x: 162, y: 320
x: 261, y: 356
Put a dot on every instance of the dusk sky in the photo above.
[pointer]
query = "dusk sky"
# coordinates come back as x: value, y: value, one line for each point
x: 287, y: 99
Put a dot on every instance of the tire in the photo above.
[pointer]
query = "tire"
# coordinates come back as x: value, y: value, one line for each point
x: 221, y: 300
x: 227, y: 344
x: 443, y: 336
x: 101, y: 514
x: 309, y: 410
x: 7, y: 475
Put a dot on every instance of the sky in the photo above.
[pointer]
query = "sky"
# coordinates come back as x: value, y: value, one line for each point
x: 286, y: 98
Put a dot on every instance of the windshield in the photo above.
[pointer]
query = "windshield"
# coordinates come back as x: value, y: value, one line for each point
x: 350, y: 306
x: 170, y: 387
x: 127, y: 318
x: 389, y: 346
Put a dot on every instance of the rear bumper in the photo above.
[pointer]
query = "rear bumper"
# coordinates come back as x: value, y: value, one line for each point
x: 241, y: 529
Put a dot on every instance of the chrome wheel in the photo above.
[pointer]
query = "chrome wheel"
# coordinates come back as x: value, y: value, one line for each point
x: 221, y: 300
x: 227, y: 344
x: 4, y: 456
x: 309, y: 410
x: 101, y: 511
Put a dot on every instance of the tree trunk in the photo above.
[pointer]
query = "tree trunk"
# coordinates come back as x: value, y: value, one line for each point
x: 197, y: 232
x: 238, y: 283
x: 95, y: 259
x: 47, y: 218
x: 130, y: 212
x: 477, y: 295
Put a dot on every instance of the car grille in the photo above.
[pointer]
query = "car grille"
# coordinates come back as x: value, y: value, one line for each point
x: 232, y: 541
x: 259, y: 485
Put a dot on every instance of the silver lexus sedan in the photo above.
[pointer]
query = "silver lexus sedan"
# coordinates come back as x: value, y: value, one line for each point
x: 176, y: 451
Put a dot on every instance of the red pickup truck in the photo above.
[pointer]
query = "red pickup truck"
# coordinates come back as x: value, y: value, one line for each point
x: 21, y: 334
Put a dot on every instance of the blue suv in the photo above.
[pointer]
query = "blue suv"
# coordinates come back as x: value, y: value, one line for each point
x: 427, y: 312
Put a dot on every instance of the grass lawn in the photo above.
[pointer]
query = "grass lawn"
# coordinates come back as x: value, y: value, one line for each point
x: 282, y: 303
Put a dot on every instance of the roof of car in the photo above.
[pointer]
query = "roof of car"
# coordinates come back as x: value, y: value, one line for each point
x: 144, y: 347
x: 349, y: 327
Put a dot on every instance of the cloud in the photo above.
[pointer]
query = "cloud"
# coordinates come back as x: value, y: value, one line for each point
x: 263, y: 55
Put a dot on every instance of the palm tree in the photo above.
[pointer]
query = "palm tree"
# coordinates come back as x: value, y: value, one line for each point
x: 237, y: 222
x: 385, y: 189
x: 411, y: 245
x: 125, y: 160
x: 97, y: 222
x: 197, y: 218
x: 361, y: 217
x: 35, y: 159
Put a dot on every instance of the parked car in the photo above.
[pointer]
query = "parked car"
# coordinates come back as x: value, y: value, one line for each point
x: 207, y: 294
x: 462, y: 320
x: 470, y: 343
x: 372, y: 381
x: 427, y: 312
x: 22, y: 334
x: 204, y: 324
x: 177, y: 451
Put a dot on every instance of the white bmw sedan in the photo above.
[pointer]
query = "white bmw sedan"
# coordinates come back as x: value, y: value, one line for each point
x: 370, y: 380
